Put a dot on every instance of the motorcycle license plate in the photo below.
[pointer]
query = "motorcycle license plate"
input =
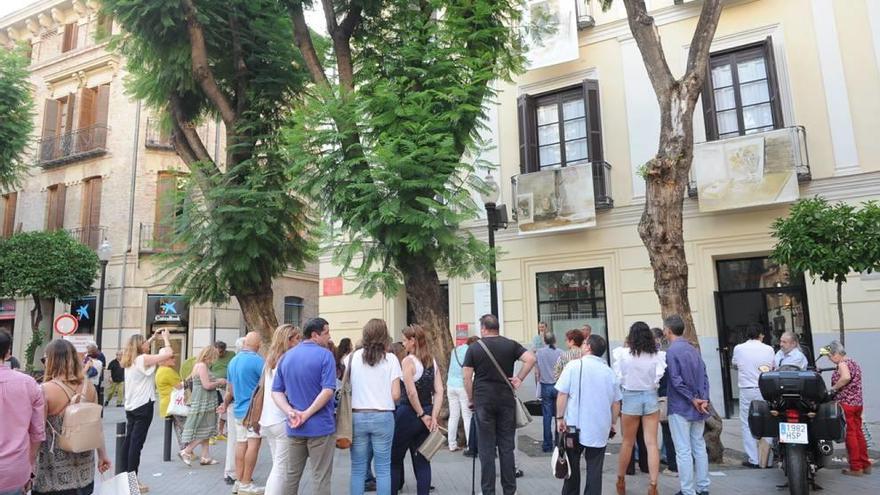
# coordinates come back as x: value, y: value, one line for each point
x: 793, y: 433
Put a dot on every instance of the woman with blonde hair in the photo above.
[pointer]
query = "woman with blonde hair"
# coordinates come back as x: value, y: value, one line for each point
x: 140, y: 395
x: 201, y: 423
x: 59, y: 471
x: 419, y: 409
x: 273, y: 419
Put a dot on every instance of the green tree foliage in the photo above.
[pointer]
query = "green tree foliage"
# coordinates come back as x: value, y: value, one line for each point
x: 16, y: 116
x: 45, y: 265
x: 384, y: 151
x: 233, y: 60
x: 829, y: 241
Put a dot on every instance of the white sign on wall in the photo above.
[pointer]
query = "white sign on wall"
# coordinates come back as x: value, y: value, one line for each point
x: 560, y: 44
x: 483, y: 304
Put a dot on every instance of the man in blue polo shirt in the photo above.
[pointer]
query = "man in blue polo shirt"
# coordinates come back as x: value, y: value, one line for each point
x: 243, y: 376
x: 305, y: 382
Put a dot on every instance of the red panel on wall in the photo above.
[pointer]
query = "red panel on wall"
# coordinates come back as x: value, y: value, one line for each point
x: 333, y: 286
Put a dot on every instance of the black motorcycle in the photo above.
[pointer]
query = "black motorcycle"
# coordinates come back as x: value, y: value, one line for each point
x: 801, y: 416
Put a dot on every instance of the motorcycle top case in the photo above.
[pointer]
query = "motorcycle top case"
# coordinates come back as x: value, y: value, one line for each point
x: 807, y: 385
x: 761, y: 423
x: 829, y: 423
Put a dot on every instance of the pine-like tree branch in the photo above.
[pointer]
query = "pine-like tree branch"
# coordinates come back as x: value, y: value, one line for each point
x: 201, y: 68
x: 304, y: 42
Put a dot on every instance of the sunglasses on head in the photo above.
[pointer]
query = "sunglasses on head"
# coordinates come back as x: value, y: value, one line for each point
x: 43, y: 359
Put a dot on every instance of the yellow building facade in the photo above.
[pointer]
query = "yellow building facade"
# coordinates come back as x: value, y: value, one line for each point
x: 102, y: 168
x: 797, y: 81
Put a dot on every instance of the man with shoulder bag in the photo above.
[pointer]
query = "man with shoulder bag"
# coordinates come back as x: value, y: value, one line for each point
x: 490, y: 385
x: 588, y: 423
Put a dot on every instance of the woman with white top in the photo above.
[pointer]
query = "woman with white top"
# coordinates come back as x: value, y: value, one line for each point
x: 140, y: 395
x: 419, y: 409
x: 273, y: 419
x: 639, y: 372
x: 375, y: 377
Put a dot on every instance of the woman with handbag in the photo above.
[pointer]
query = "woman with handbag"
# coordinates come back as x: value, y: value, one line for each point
x: 201, y: 423
x: 272, y: 419
x: 60, y: 471
x: 419, y: 409
x: 140, y: 395
x: 168, y: 380
x: 375, y: 377
x: 639, y: 371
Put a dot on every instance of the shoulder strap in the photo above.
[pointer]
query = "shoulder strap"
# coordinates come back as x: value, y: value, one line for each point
x: 455, y: 353
x: 346, y: 377
x: 580, y: 380
x: 497, y: 366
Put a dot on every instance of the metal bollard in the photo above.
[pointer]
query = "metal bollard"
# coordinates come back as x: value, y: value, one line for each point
x: 120, y: 454
x: 166, y: 450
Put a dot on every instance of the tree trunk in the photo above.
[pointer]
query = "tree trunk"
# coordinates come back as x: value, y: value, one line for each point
x: 36, y: 334
x: 840, y: 310
x: 259, y: 312
x: 712, y: 435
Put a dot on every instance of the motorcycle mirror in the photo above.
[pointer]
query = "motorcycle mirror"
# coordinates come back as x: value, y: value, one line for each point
x: 824, y: 351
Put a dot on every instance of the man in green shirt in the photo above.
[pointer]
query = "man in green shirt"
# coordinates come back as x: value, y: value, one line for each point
x: 218, y: 369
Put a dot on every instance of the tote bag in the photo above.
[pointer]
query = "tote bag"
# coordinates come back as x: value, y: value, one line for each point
x: 177, y: 405
x: 121, y: 484
x: 344, y: 429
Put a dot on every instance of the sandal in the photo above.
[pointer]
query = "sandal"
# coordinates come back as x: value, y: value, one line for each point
x: 185, y: 457
x: 208, y: 461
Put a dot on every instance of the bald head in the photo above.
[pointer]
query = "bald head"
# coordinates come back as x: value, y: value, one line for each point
x: 252, y: 341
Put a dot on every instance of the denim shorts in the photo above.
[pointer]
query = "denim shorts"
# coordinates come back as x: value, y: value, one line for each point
x: 639, y: 402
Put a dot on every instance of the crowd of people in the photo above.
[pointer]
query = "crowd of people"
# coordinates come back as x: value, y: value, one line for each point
x: 286, y: 392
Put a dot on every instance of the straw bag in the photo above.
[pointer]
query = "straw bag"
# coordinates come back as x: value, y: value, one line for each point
x: 81, y: 428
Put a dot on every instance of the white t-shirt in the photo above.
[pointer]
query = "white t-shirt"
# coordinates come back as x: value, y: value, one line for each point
x: 140, y: 387
x: 371, y: 385
x: 272, y: 414
x: 751, y: 358
x: 642, y: 372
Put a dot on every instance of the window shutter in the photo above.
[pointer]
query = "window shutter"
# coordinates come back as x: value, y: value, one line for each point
x: 70, y: 35
x: 773, y: 83
x: 87, y: 108
x: 57, y: 197
x: 9, y: 214
x: 528, y: 134
x: 102, y: 107
x: 594, y: 120
x: 709, y: 107
x: 50, y: 128
x: 71, y: 109
x: 91, y: 211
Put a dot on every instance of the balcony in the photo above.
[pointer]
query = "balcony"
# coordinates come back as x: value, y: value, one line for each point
x: 71, y: 146
x: 157, y: 138
x: 584, y: 10
x: 153, y: 238
x: 91, y: 236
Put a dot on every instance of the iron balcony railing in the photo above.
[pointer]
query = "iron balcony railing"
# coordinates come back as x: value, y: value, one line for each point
x: 157, y: 238
x: 91, y: 235
x: 602, y: 185
x: 75, y: 145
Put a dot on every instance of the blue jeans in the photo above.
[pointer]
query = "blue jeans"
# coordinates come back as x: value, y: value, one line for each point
x: 409, y: 433
x: 548, y: 411
x: 13, y: 492
x: 690, y: 454
x: 372, y: 434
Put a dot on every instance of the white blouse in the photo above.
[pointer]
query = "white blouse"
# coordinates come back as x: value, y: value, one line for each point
x: 638, y: 373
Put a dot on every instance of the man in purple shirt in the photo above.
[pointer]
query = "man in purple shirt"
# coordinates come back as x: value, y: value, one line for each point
x: 305, y: 381
x: 687, y: 407
x: 24, y: 419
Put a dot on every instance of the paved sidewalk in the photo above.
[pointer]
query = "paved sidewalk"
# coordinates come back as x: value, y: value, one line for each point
x: 452, y: 471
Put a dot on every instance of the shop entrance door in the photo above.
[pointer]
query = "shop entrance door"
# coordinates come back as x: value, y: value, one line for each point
x: 756, y: 290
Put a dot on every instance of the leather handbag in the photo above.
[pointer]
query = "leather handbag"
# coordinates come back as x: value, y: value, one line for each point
x: 523, y: 417
x: 435, y: 441
x: 664, y: 412
x: 255, y: 407
x: 344, y: 428
x: 81, y: 427
x: 559, y: 462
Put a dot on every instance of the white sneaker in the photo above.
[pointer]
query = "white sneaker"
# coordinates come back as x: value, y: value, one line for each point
x: 251, y: 489
x: 235, y: 487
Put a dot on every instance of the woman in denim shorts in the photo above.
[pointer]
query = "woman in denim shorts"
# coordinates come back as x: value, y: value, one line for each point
x: 639, y: 370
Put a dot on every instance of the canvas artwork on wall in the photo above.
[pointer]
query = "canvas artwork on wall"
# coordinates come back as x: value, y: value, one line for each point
x: 555, y: 200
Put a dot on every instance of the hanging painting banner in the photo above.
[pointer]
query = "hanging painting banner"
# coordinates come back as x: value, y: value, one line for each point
x: 552, y: 35
x: 554, y: 200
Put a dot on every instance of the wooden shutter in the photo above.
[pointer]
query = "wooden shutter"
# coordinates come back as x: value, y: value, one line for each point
x: 528, y: 134
x: 71, y: 108
x: 773, y: 84
x: 50, y: 129
x: 10, y: 203
x: 102, y: 108
x: 70, y: 35
x: 709, y: 106
x: 57, y: 200
x: 87, y: 97
x: 594, y: 120
x: 91, y: 211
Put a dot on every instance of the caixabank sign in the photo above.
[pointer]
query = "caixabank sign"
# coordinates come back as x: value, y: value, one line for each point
x: 167, y: 309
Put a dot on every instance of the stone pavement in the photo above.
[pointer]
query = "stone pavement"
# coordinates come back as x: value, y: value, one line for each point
x: 452, y: 471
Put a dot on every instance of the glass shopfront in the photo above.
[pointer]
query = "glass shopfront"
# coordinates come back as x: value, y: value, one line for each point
x: 570, y: 299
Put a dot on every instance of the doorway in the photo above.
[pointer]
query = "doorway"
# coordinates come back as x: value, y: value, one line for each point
x: 756, y: 290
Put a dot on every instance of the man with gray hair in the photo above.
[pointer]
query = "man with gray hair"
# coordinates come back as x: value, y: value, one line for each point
x: 95, y: 364
x: 789, y: 353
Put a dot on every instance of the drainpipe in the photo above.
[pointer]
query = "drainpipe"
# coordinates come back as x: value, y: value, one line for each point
x: 128, y: 245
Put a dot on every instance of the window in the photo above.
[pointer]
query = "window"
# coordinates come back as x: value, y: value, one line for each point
x: 293, y: 307
x: 560, y: 129
x: 68, y: 42
x: 571, y: 298
x: 64, y: 137
x: 91, y: 212
x: 170, y: 197
x: 55, y: 207
x: 741, y: 94
x: 8, y: 203
x: 103, y: 28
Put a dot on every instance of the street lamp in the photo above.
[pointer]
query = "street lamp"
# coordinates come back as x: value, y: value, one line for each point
x: 496, y: 218
x: 104, y: 258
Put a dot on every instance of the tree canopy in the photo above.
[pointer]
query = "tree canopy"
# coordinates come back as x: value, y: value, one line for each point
x: 17, y: 123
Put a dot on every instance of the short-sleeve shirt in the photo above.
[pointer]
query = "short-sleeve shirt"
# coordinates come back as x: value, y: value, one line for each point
x: 489, y: 385
x: 244, y: 375
x: 751, y: 359
x: 592, y: 388
x: 302, y: 374
x: 220, y: 368
x: 547, y: 358
x: 794, y: 358
x: 371, y: 385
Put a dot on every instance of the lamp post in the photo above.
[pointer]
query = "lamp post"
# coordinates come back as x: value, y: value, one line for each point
x: 104, y: 258
x: 496, y: 218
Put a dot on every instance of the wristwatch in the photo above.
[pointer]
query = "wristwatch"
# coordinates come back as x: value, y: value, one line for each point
x: 423, y: 415
x: 560, y: 417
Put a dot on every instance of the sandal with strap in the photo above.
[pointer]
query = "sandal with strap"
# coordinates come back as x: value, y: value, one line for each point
x: 185, y: 457
x: 208, y: 461
x: 621, y: 485
x: 652, y: 488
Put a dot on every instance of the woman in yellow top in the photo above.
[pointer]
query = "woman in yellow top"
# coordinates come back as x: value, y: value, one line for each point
x: 167, y: 379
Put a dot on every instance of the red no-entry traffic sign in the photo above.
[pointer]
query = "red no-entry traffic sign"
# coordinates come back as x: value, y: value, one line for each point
x: 66, y: 324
